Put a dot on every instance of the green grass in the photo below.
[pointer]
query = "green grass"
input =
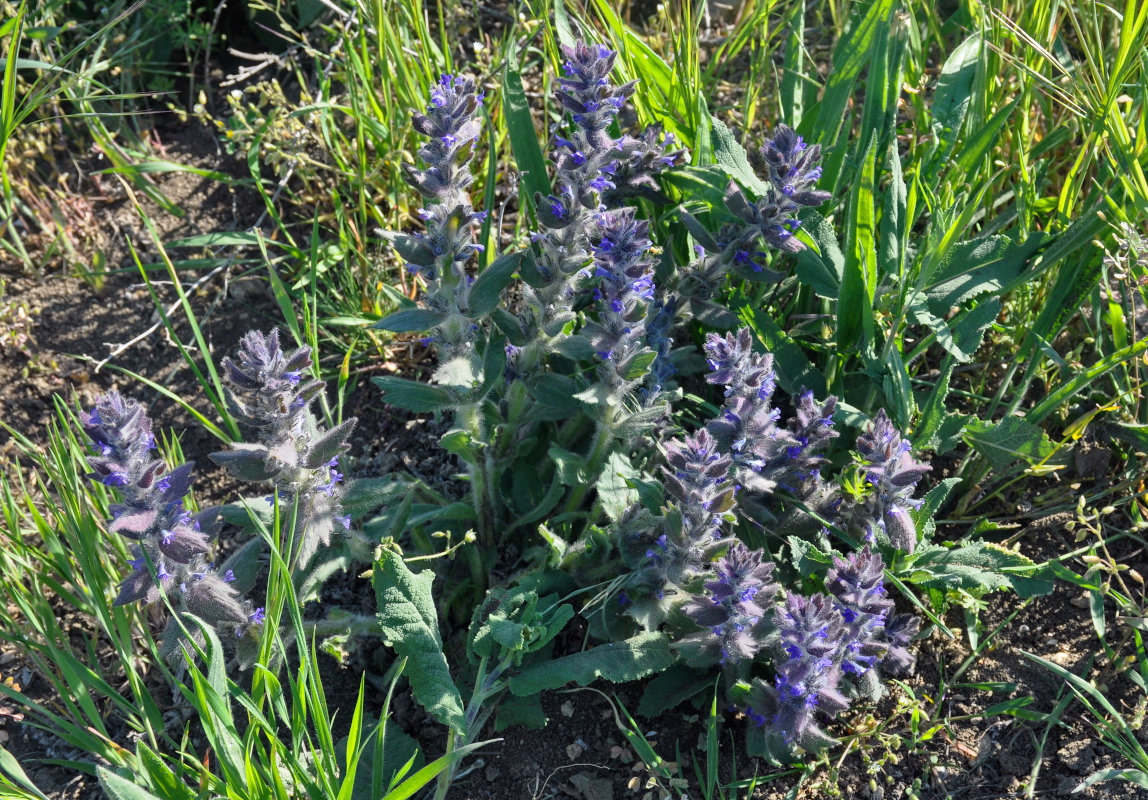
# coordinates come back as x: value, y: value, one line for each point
x: 1019, y: 125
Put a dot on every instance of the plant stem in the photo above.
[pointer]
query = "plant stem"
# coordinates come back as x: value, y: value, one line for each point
x: 595, y: 462
x: 486, y: 685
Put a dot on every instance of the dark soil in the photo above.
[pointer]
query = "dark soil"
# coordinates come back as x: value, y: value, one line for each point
x: 581, y: 753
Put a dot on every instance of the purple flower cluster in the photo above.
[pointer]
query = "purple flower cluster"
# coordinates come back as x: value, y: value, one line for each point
x: 440, y: 254
x: 764, y: 453
x: 594, y: 172
x: 733, y: 612
x: 697, y: 480
x: 828, y: 645
x: 625, y: 287
x: 792, y: 169
x: 808, y: 671
x: 893, y: 473
x: 872, y: 637
x: 170, y: 541
x: 269, y: 397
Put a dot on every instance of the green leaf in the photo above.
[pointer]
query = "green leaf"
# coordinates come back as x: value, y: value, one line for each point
x: 614, y: 492
x: 933, y: 408
x: 120, y: 788
x: 924, y: 516
x: 12, y: 770
x: 981, y: 266
x: 363, y: 495
x: 898, y: 390
x: 793, y: 68
x: 893, y: 217
x: 806, y: 558
x: 487, y: 288
x: 821, y: 271
x: 618, y: 662
x: 850, y: 56
x: 410, y: 320
x: 1006, y: 442
x: 859, y: 283
x: 982, y: 566
x: 729, y: 153
x: 969, y: 329
x: 412, y: 395
x: 520, y: 127
x: 409, y: 621
x: 523, y: 712
x: 670, y: 689
x: 701, y: 184
x: 1136, y: 776
x: 555, y: 394
x: 951, y: 100
x: 980, y: 142
x: 1088, y: 377
x: 161, y: 776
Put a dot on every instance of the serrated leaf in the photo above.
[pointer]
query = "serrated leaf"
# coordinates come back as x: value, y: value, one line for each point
x: 1006, y: 442
x: 981, y: 566
x: 729, y: 153
x: 409, y: 621
x: 979, y: 267
x: 412, y: 395
x: 410, y: 320
x: 806, y: 558
x: 933, y: 409
x: 618, y: 662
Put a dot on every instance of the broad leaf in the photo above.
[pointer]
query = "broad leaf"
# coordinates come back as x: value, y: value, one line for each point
x: 1011, y: 440
x: 409, y: 621
x: 618, y: 662
x: 412, y: 395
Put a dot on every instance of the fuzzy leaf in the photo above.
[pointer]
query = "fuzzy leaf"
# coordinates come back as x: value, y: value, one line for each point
x: 410, y: 320
x: 731, y: 155
x: 248, y: 462
x: 981, y: 266
x: 329, y: 445
x: 983, y: 566
x: 614, y: 492
x: 409, y: 621
x: 120, y: 788
x: 618, y: 662
x: 413, y: 396
x: 366, y: 494
x: 488, y: 286
x: 1011, y: 440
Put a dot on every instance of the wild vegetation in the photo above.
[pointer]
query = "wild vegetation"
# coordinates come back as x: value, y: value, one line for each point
x: 754, y: 336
